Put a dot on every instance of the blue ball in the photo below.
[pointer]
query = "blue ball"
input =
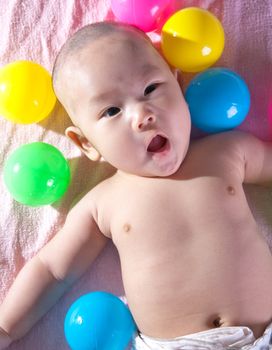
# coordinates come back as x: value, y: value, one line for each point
x: 98, y: 321
x: 218, y: 100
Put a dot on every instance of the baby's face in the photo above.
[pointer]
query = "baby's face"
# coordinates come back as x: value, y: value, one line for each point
x: 129, y: 105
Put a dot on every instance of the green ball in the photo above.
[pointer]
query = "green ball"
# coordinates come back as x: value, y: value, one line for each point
x: 37, y: 174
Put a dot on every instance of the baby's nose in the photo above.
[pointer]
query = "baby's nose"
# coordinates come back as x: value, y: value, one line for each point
x: 148, y: 120
x: 143, y: 120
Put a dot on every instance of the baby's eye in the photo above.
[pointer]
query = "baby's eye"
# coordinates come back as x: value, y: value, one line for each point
x: 150, y: 88
x: 111, y: 112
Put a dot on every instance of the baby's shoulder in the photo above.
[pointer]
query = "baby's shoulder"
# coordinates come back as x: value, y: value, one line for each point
x: 218, y: 154
x: 224, y: 140
x: 88, y: 198
x: 97, y: 193
x: 224, y: 143
x: 93, y: 205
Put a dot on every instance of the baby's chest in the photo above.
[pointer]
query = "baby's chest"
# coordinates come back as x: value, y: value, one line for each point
x: 176, y: 206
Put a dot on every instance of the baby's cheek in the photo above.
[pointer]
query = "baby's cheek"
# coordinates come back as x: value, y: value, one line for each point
x: 166, y: 99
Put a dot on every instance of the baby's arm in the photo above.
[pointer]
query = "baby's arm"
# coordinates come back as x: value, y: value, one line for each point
x: 255, y: 157
x: 46, y: 277
x: 246, y: 155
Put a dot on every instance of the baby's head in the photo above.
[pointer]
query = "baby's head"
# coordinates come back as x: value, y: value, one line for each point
x: 124, y: 100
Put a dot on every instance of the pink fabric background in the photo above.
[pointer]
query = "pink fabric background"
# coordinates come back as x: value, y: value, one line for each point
x: 35, y: 30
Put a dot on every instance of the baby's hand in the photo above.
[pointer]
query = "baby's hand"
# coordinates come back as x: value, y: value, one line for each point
x: 5, y: 340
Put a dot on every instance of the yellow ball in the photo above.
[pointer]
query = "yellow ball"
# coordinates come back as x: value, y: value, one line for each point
x: 192, y: 39
x: 26, y: 93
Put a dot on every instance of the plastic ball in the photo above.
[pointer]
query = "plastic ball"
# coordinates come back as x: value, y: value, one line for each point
x: 98, y: 321
x: 218, y: 100
x: 192, y: 39
x: 270, y: 111
x: 37, y: 174
x: 141, y: 13
x: 26, y: 93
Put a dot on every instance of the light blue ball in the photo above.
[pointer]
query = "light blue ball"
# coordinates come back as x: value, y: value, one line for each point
x: 218, y: 100
x: 98, y: 321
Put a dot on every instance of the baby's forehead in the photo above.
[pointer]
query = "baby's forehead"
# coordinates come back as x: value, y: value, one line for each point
x: 120, y: 53
x: 117, y: 45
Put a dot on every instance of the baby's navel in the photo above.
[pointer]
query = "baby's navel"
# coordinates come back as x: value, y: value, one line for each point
x: 127, y: 228
x: 231, y: 190
x: 217, y: 322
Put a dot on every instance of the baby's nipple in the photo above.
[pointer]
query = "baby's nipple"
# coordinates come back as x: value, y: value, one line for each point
x: 231, y: 190
x: 127, y: 228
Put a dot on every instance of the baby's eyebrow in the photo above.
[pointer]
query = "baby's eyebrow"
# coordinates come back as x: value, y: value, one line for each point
x: 149, y: 69
x: 103, y: 96
x: 146, y: 69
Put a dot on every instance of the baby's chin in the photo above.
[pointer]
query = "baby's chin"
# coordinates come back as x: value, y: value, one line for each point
x: 165, y: 171
x: 165, y: 164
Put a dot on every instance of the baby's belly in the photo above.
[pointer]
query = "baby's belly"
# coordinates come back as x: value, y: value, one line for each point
x: 204, y: 285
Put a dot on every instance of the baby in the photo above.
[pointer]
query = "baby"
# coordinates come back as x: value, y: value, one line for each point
x: 196, y: 271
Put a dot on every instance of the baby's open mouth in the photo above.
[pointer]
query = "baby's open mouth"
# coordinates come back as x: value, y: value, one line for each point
x: 157, y: 144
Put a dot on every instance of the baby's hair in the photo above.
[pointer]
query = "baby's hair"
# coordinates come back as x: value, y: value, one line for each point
x: 89, y: 34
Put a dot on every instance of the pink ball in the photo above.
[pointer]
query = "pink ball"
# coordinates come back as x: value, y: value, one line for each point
x: 144, y: 14
x: 270, y: 112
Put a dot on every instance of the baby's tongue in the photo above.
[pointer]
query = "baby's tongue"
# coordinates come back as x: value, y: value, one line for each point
x: 156, y: 144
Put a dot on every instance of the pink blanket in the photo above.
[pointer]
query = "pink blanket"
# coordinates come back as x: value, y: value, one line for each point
x: 35, y: 30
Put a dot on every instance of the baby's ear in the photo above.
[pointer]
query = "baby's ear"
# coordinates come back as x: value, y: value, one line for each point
x: 77, y: 137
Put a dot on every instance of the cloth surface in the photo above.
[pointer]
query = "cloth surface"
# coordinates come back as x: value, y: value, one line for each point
x: 35, y: 30
x: 214, y: 339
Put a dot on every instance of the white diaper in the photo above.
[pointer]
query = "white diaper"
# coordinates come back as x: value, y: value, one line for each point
x: 214, y: 339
